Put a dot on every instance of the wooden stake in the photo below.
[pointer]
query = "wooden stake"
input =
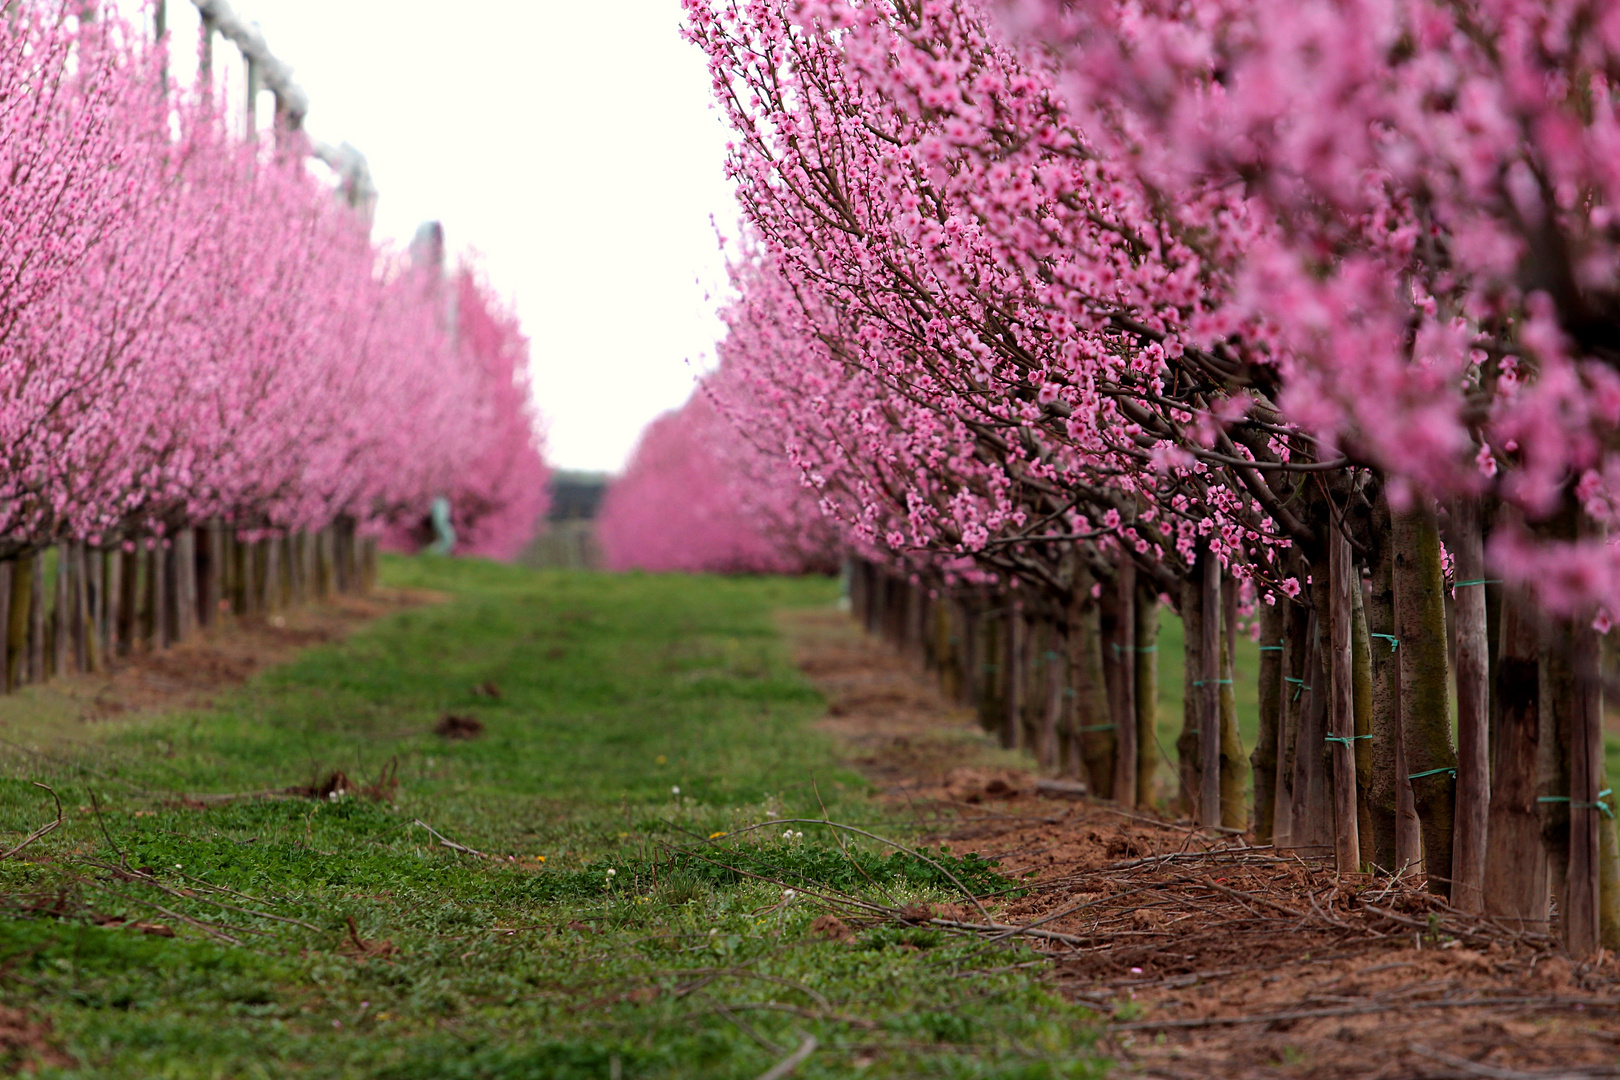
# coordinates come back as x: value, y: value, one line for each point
x: 7, y: 573
x: 17, y: 621
x: 129, y: 627
x: 1263, y: 762
x: 1146, y: 696
x: 1582, y: 894
x: 1515, y: 884
x: 61, y: 615
x: 1013, y: 665
x: 112, y: 578
x: 1123, y: 648
x: 185, y: 584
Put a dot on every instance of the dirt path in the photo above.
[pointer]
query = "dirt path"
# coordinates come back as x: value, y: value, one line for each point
x: 1218, y: 960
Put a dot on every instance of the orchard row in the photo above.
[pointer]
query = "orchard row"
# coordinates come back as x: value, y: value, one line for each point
x: 1304, y: 314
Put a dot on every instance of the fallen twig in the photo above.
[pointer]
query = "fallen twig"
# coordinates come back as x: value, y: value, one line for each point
x: 43, y: 829
x: 1362, y: 1010
x: 1493, y: 1072
x: 786, y: 1066
x: 451, y: 844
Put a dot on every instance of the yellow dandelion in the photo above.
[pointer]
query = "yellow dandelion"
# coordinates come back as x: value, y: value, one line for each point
x: 716, y: 835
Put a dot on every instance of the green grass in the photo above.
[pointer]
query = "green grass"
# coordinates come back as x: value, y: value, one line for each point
x: 615, y: 691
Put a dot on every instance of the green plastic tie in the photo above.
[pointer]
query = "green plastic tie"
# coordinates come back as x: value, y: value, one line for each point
x: 1050, y: 655
x: 1271, y: 648
x: 1290, y: 678
x: 1391, y: 638
x: 1348, y: 740
x: 1481, y: 581
x: 1098, y: 727
x: 1223, y: 682
x: 991, y: 667
x: 1431, y: 772
x: 1600, y: 805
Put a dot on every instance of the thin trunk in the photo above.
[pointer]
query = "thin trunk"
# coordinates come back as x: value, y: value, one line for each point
x: 185, y: 581
x: 1313, y: 805
x: 36, y: 620
x: 210, y: 564
x: 1263, y: 761
x: 1146, y: 695
x: 1209, y: 693
x: 128, y: 599
x: 1296, y: 634
x: 96, y: 622
x: 1092, y: 722
x: 1124, y: 712
x: 1473, y: 710
x: 1057, y: 680
x: 1361, y: 674
x: 1234, y: 814
x: 270, y: 550
x: 368, y: 565
x: 1420, y: 620
x: 1343, y: 583
x: 112, y: 618
x: 1189, y: 748
x: 1583, y: 894
x: 157, y: 595
x: 993, y: 646
x: 1012, y: 720
x: 8, y: 574
x: 83, y: 627
x: 61, y: 620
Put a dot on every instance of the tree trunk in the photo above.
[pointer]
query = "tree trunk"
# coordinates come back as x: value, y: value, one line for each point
x: 1057, y: 680
x: 1146, y: 696
x: 157, y: 595
x: 1189, y: 747
x: 96, y: 615
x: 210, y: 564
x: 1313, y: 801
x: 1012, y: 719
x: 129, y: 599
x: 8, y: 571
x: 1209, y: 693
x: 1092, y: 722
x: 113, y: 589
x: 1263, y: 762
x: 1361, y: 674
x: 1343, y: 582
x: 1420, y: 619
x: 270, y: 549
x: 1473, y: 710
x: 1583, y: 893
x: 185, y: 584
x: 36, y: 621
x: 1124, y: 699
x: 1234, y: 812
x: 22, y: 592
x: 1296, y: 635
x: 992, y: 677
x: 61, y: 620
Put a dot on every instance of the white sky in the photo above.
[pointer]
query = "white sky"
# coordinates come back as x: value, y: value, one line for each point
x: 570, y: 144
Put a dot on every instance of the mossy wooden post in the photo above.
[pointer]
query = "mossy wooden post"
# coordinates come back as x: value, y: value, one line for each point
x: 1473, y: 709
x: 129, y: 593
x: 1420, y: 620
x: 62, y: 614
x: 1342, y: 579
x: 1583, y: 893
x: 1234, y: 782
x: 1189, y: 747
x: 1208, y: 688
x: 23, y: 569
x: 1555, y: 686
x: 37, y: 657
x: 1123, y: 712
x: 1396, y: 845
x: 1609, y: 915
x: 1012, y: 661
x: 1263, y: 760
x: 1146, y: 699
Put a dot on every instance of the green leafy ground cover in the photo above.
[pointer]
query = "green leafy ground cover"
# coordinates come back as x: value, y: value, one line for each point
x: 685, y: 960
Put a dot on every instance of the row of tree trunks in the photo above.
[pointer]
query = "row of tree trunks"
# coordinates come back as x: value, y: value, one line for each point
x: 1077, y: 687
x: 107, y: 602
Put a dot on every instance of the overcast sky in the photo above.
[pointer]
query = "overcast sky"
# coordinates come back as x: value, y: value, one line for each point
x: 572, y: 145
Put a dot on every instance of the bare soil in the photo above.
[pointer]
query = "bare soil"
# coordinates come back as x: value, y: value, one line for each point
x: 1209, y: 956
x: 188, y: 675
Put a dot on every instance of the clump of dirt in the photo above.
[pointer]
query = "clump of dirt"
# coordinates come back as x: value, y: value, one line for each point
x: 455, y: 728
x: 832, y: 928
x: 361, y: 949
x: 487, y: 690
x: 27, y: 1043
x: 1208, y: 956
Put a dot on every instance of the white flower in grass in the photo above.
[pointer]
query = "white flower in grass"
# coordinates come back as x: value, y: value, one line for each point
x: 612, y: 872
x: 675, y: 789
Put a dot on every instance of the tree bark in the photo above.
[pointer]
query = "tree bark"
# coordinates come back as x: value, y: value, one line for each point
x: 112, y: 617
x: 1146, y: 696
x: 1473, y: 709
x: 1263, y: 761
x: 1296, y: 634
x: 1189, y: 747
x: 1342, y: 582
x: 1420, y: 619
x: 8, y: 571
x: 1209, y: 693
x: 1361, y: 674
x: 1012, y: 718
x: 1124, y: 697
x: 129, y: 599
x: 1583, y: 894
x: 1313, y: 805
x: 62, y: 619
x: 36, y: 621
x: 1092, y: 721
